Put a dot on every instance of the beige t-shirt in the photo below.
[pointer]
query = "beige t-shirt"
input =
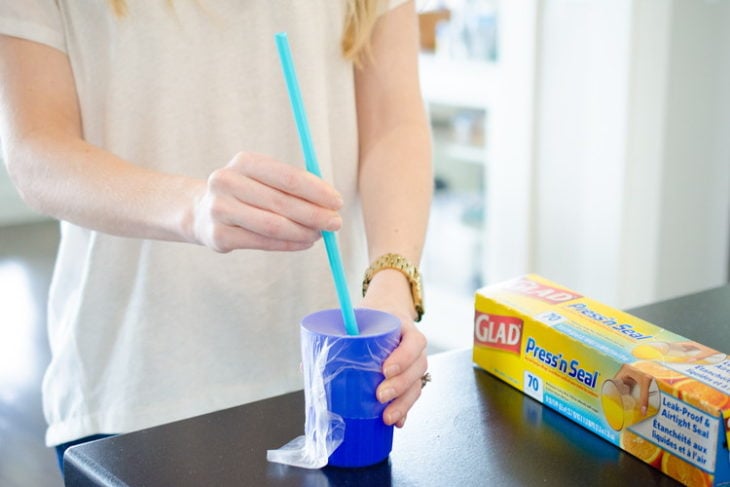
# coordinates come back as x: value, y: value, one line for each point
x: 146, y: 332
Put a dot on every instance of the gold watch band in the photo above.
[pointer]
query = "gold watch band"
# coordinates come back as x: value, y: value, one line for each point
x: 401, y: 264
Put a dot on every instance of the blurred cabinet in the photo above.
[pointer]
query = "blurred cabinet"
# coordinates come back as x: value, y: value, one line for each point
x: 458, y: 79
x: 457, y: 94
x: 460, y: 161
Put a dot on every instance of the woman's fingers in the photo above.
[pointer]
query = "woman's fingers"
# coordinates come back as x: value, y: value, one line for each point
x: 410, y: 352
x: 405, y: 366
x: 403, y: 371
x: 258, y: 202
x: 287, y: 179
x: 407, y: 389
x: 243, y: 193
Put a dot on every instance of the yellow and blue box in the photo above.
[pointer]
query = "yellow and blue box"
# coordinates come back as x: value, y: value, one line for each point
x: 655, y: 394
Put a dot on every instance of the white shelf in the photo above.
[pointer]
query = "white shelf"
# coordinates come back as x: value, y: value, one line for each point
x: 465, y: 153
x: 463, y: 83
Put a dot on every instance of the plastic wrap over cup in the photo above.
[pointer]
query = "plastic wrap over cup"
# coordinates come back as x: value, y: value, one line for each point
x: 344, y: 425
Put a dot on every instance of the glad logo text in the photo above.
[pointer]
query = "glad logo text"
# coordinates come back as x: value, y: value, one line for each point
x: 495, y: 331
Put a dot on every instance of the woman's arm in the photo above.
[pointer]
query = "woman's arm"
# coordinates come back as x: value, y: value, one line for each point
x: 395, y: 184
x: 252, y: 202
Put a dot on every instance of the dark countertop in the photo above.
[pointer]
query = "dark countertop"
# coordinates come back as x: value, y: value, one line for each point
x: 468, y: 428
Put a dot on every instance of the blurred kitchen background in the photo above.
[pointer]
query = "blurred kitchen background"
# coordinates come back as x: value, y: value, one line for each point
x: 584, y: 140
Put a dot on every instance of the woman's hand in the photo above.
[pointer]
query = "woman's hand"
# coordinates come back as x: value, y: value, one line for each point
x: 389, y: 291
x: 257, y: 202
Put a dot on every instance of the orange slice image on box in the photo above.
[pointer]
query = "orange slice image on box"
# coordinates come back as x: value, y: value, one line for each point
x: 702, y: 396
x: 685, y: 472
x: 642, y: 449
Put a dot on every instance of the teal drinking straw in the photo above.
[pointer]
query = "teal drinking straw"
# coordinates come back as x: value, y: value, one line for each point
x: 310, y: 158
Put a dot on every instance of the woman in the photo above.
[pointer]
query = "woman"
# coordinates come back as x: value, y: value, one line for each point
x: 147, y: 126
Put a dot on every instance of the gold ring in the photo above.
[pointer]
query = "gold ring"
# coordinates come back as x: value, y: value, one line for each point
x: 425, y: 379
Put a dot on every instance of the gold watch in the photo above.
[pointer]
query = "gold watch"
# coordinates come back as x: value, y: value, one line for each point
x: 401, y: 264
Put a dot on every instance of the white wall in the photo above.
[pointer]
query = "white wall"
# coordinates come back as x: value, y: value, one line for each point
x: 632, y: 147
x: 648, y: 64
x: 510, y: 147
x: 694, y: 219
x: 582, y: 133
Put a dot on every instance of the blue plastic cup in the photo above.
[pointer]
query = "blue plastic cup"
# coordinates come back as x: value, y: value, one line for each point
x: 352, y: 371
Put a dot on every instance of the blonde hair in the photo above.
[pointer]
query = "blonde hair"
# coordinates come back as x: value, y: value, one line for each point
x: 359, y: 23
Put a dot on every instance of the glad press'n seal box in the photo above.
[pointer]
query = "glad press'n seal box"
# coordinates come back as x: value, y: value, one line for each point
x: 659, y: 396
